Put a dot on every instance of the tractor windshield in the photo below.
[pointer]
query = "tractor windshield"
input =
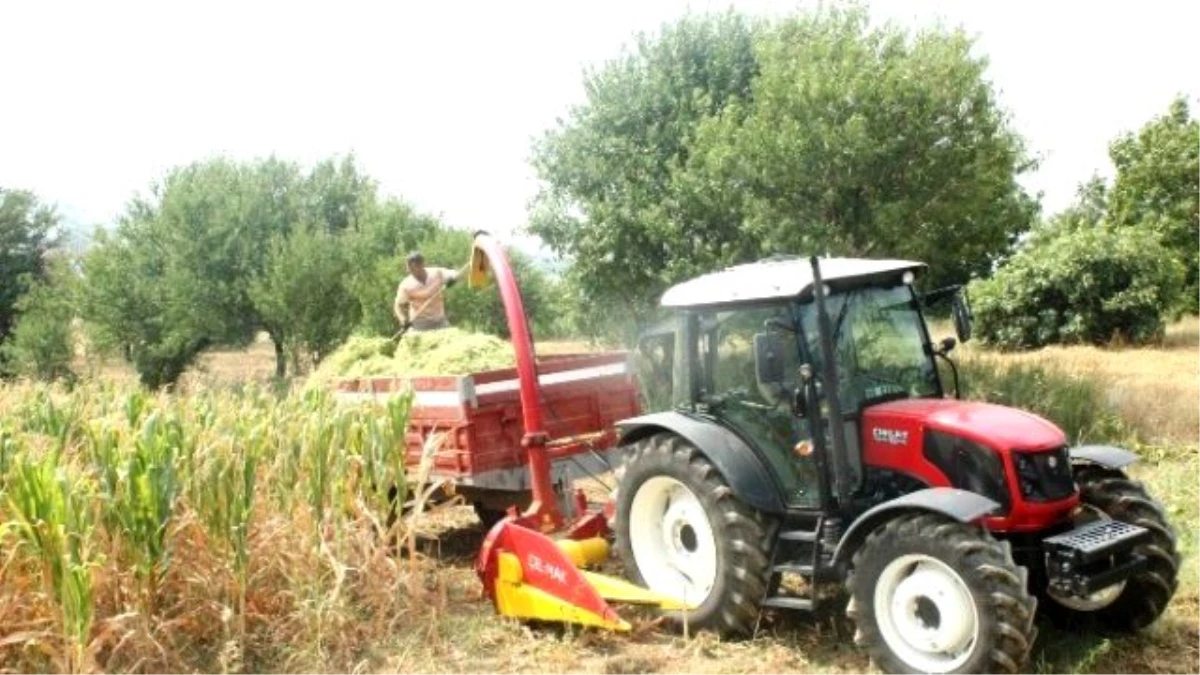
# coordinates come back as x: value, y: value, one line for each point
x: 880, y: 341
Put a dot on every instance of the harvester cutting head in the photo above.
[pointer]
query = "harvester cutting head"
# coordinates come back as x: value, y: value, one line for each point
x: 530, y: 576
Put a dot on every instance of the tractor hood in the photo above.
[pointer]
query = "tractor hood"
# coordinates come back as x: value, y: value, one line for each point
x: 994, y: 426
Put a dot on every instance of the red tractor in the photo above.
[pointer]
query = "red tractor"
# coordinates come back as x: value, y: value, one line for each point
x: 811, y: 446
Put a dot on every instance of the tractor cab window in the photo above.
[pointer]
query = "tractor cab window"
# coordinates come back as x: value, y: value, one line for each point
x: 734, y: 348
x: 879, y: 338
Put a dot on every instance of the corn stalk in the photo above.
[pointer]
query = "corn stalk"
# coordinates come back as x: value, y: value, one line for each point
x: 146, y: 501
x: 52, y: 519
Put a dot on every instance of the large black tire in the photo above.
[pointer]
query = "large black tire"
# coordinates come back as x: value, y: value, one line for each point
x: 739, y: 533
x: 967, y: 555
x: 1147, y: 593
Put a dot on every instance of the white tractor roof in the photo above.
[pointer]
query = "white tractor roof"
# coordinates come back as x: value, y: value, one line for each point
x: 775, y: 279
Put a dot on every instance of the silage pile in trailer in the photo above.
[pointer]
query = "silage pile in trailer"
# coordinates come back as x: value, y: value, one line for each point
x: 451, y: 351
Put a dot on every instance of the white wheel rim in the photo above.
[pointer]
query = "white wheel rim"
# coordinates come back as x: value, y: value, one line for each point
x: 926, y: 614
x: 672, y: 540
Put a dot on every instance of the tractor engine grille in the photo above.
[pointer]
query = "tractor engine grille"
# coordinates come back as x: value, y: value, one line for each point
x: 1045, y: 476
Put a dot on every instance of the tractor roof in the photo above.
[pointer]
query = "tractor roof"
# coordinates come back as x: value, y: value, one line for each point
x: 778, y: 278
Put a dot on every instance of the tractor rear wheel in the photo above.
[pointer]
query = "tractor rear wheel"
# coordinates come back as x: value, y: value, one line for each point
x: 933, y: 595
x: 1139, y: 600
x: 680, y: 531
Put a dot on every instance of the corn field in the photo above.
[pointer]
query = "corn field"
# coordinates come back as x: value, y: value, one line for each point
x: 160, y: 532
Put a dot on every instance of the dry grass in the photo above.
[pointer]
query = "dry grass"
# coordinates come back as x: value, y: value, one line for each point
x: 1156, y: 391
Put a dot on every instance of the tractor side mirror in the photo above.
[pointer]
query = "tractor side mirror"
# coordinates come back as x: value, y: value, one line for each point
x: 961, y: 312
x: 947, y: 345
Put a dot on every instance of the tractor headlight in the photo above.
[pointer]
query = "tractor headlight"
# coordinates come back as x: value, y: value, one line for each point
x: 1045, y: 476
x: 968, y: 465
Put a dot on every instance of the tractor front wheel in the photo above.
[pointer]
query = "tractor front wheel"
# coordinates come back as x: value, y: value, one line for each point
x: 933, y: 595
x: 680, y: 531
x: 1136, y: 602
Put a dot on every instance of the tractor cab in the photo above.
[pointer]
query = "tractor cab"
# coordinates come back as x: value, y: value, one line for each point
x: 746, y: 350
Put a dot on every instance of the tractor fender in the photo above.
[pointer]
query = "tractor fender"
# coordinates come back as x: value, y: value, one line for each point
x: 1107, y: 456
x: 733, y: 458
x: 961, y: 505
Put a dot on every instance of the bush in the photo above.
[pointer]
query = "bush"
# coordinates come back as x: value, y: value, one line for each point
x: 1090, y: 286
x: 42, y: 345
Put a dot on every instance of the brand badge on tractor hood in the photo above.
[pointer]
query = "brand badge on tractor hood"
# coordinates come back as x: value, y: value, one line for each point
x: 890, y: 436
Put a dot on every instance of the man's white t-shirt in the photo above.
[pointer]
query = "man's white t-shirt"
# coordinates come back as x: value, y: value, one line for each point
x: 416, y: 294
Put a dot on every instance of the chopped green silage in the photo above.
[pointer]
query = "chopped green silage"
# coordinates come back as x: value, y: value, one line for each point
x: 451, y: 351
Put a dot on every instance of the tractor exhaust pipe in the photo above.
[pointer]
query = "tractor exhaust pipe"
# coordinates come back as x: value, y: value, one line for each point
x: 841, y: 468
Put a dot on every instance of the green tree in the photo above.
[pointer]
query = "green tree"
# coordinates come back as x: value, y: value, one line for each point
x: 1088, y: 211
x: 304, y: 296
x: 42, y: 345
x: 339, y: 195
x: 609, y: 203
x: 868, y: 142
x: 194, y: 248
x: 1156, y: 188
x: 28, y: 230
x: 128, y: 301
x: 722, y: 141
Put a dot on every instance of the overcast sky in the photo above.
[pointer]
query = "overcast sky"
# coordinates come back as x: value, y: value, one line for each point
x: 440, y: 100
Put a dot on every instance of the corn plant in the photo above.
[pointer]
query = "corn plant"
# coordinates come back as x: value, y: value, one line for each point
x: 384, y: 451
x: 226, y: 501
x: 46, y: 416
x: 52, y: 519
x: 146, y: 499
x: 136, y: 403
x: 317, y: 463
x: 102, y: 451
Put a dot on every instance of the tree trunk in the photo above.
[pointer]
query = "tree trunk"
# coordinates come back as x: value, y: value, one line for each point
x: 280, y: 356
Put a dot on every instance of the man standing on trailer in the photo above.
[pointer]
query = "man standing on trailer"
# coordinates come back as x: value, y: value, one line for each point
x: 423, y: 290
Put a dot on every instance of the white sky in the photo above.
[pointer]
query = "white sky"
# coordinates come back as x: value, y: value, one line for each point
x: 440, y: 100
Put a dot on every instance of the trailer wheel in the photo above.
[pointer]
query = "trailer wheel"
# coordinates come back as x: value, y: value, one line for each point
x: 680, y: 531
x: 1139, y: 600
x: 933, y: 595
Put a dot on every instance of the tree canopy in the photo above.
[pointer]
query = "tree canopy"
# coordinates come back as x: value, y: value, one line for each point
x: 721, y: 140
x: 1156, y: 187
x: 28, y: 230
x: 221, y: 250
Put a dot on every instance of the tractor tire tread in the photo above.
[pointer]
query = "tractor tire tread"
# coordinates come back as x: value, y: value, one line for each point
x: 1006, y: 610
x: 740, y: 532
x: 1147, y: 593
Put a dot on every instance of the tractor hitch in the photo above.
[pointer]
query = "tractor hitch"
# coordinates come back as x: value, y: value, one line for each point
x: 1093, y: 557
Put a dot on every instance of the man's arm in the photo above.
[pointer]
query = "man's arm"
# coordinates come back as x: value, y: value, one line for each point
x: 450, y: 277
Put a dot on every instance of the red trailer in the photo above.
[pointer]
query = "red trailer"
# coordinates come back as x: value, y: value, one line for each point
x: 480, y: 420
